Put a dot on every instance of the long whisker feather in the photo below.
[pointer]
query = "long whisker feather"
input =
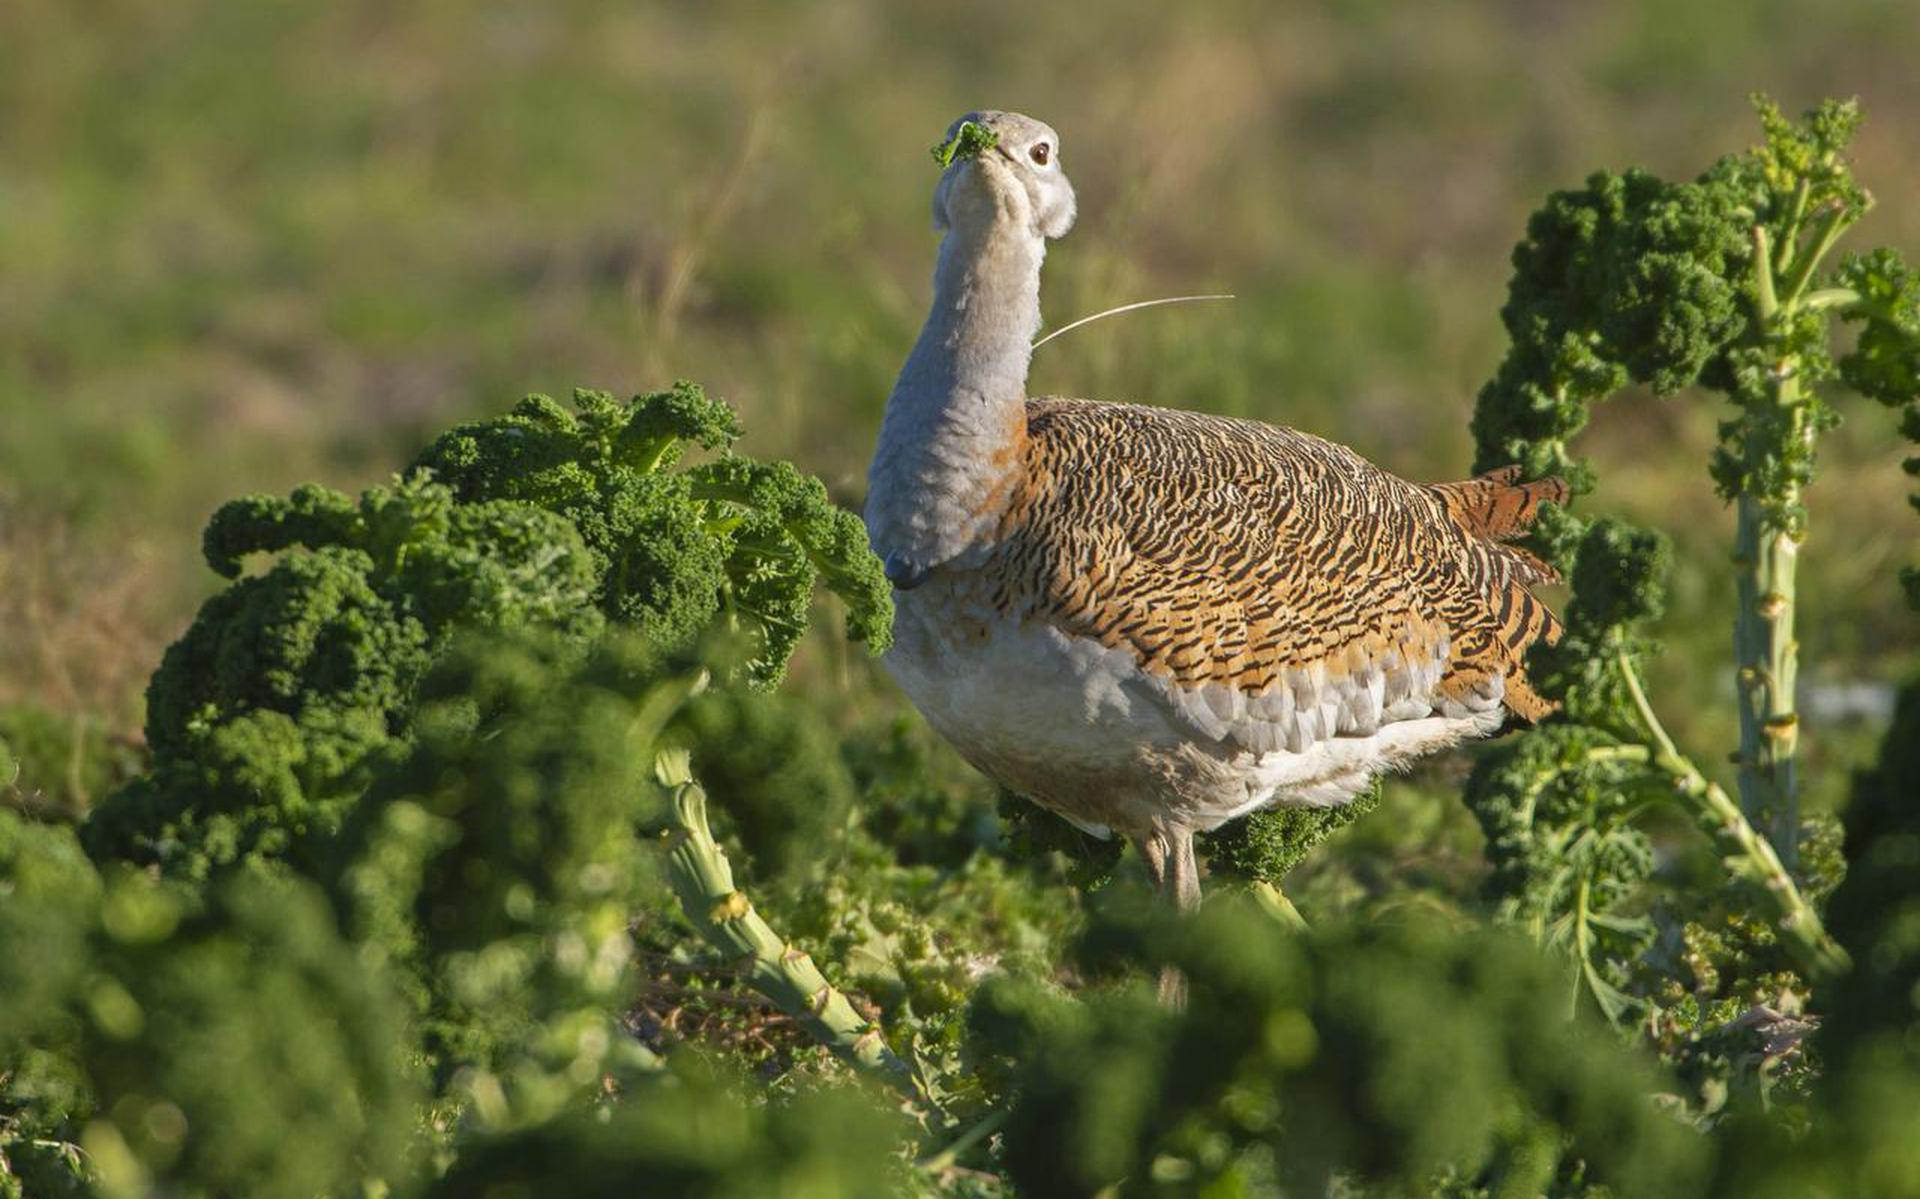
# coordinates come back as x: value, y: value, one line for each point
x: 1087, y: 320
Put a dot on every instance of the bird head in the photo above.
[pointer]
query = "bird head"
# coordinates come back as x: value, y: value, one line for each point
x: 1002, y: 164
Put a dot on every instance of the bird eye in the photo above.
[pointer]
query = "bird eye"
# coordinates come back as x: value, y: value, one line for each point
x: 1040, y: 153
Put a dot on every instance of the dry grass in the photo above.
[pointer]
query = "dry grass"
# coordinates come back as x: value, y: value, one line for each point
x: 81, y: 630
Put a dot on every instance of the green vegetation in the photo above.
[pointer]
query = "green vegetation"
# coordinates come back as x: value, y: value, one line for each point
x: 268, y: 719
x: 443, y: 714
x: 293, y: 687
x: 969, y: 141
x: 141, y: 1015
x: 1715, y: 282
x: 496, y: 868
x: 501, y: 829
x: 1303, y: 1060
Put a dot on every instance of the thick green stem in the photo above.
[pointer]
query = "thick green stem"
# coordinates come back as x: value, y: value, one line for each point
x: 1790, y: 234
x: 1766, y: 550
x: 703, y: 879
x: 993, y: 1122
x: 1764, y: 298
x: 1829, y: 297
x: 1827, y: 229
x: 1766, y: 661
x: 1275, y: 903
x: 1583, y: 950
x: 1722, y: 819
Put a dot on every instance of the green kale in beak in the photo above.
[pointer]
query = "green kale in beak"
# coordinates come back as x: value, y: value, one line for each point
x: 968, y: 140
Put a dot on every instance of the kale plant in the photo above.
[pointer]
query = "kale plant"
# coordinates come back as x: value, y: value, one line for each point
x: 694, y: 1130
x: 161, y: 1040
x: 443, y: 701
x: 1723, y: 283
x: 296, y: 686
x: 497, y: 866
x: 1353, y: 1057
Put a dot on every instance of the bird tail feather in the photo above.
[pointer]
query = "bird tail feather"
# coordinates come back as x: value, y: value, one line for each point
x: 1494, y: 509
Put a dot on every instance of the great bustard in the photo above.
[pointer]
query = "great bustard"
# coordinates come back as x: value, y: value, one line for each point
x: 1153, y: 621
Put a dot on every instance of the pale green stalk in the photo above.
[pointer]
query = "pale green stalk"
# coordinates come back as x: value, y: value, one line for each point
x: 1766, y: 656
x: 1274, y: 902
x: 1722, y: 819
x: 1766, y: 662
x: 703, y: 879
x: 993, y: 1122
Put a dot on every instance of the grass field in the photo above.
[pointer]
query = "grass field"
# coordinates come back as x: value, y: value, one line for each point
x: 243, y: 246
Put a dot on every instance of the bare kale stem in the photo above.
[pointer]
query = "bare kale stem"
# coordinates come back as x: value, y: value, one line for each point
x: 1766, y: 552
x: 702, y: 877
x: 1780, y: 418
x: 1722, y: 819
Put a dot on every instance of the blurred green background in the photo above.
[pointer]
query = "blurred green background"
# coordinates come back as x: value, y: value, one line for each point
x: 251, y: 243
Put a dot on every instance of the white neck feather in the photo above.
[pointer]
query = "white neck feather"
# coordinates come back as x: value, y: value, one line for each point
x: 949, y: 445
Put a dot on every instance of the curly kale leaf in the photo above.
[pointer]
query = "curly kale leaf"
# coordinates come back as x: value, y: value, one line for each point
x: 1619, y: 586
x: 785, y: 533
x: 1885, y: 363
x: 1265, y: 845
x: 294, y: 686
x: 1634, y: 279
x: 673, y: 550
x: 226, y: 1044
x: 694, y: 1129
x: 1557, y: 807
x: 498, y: 864
x: 1629, y: 279
x: 655, y: 565
x: 662, y: 422
x: 1325, y: 1051
x: 1037, y: 835
x: 970, y: 140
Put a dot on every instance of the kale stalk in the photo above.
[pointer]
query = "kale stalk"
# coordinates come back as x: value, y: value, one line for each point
x: 1768, y: 458
x: 702, y: 877
x: 1716, y: 283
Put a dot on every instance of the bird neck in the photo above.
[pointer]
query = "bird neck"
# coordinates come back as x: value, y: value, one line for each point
x: 986, y: 309
x: 956, y: 421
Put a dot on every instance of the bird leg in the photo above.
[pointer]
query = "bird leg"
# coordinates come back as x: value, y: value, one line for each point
x: 1183, y: 873
x: 1168, y: 855
x: 1153, y: 852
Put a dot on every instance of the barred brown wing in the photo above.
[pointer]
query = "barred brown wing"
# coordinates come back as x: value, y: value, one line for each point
x: 1235, y: 560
